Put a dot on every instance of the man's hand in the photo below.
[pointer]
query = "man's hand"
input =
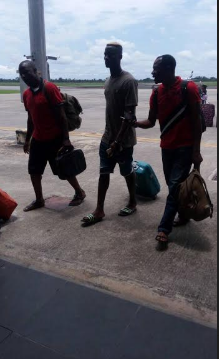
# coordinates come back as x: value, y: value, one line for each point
x: 197, y: 158
x: 135, y: 124
x: 113, y: 148
x: 129, y: 118
x: 131, y: 121
x: 27, y: 147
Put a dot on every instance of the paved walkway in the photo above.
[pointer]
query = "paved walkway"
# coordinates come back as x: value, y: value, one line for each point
x: 119, y: 253
x: 44, y: 317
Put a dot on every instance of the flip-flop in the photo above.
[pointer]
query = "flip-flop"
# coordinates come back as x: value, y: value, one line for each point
x: 90, y: 220
x: 127, y: 212
x: 77, y: 200
x: 34, y: 205
x: 162, y: 243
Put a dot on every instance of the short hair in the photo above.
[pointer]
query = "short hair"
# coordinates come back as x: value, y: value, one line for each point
x: 117, y: 45
x: 29, y: 63
x: 168, y: 61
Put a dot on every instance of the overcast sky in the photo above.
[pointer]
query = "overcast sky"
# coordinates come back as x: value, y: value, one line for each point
x: 78, y: 30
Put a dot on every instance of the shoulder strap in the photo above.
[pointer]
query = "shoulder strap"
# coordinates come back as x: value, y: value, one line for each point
x: 203, y: 183
x: 179, y: 113
x: 46, y: 94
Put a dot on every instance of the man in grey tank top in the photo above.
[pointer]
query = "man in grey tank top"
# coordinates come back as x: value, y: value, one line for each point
x: 119, y: 139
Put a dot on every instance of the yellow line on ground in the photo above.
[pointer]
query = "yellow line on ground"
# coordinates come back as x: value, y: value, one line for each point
x: 11, y: 129
x: 140, y: 139
x: 99, y: 135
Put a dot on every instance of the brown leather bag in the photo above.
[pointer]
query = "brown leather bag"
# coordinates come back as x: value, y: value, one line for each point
x: 193, y: 198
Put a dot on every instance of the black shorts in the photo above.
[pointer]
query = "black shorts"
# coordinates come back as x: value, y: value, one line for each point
x: 41, y: 153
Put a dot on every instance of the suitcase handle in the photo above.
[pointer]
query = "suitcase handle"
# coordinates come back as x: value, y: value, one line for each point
x: 135, y: 165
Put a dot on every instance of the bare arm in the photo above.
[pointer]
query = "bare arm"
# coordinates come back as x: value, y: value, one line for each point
x: 30, y: 129
x: 130, y: 102
x: 149, y: 123
x: 195, y: 113
x: 129, y: 115
x: 63, y: 124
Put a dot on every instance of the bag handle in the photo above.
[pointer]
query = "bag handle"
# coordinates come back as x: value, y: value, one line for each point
x: 201, y: 179
x: 51, y: 106
x: 65, y: 150
x: 208, y: 196
x: 45, y: 92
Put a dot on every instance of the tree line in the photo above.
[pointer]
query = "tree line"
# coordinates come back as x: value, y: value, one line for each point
x: 68, y: 80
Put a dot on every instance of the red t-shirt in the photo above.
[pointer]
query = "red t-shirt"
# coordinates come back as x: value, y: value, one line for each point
x: 41, y: 112
x: 181, y: 135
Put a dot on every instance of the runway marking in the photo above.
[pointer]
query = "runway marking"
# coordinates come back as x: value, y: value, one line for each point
x: 99, y: 135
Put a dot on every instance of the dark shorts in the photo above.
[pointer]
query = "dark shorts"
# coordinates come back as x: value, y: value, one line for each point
x: 124, y: 159
x: 41, y: 153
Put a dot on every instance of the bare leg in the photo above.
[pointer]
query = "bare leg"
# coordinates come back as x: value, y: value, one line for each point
x: 80, y: 194
x: 37, y: 185
x: 74, y: 183
x: 130, y: 180
x: 104, y: 182
x: 98, y: 214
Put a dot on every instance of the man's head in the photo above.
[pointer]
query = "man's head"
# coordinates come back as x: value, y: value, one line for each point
x: 29, y: 74
x: 113, y: 55
x: 164, y: 68
x: 204, y: 88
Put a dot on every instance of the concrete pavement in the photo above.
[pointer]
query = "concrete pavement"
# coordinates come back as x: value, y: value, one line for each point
x: 102, y: 292
x: 117, y: 255
x: 44, y: 317
x: 12, y: 113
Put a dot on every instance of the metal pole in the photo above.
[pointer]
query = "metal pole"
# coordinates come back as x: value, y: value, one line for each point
x: 37, y: 36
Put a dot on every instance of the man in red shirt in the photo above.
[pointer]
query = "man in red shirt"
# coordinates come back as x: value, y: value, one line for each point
x: 181, y: 142
x: 47, y: 132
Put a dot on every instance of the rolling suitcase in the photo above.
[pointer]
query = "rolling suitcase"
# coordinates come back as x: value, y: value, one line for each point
x: 208, y: 111
x: 147, y: 184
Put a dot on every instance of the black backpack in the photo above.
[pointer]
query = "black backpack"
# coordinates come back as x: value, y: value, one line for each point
x: 179, y: 112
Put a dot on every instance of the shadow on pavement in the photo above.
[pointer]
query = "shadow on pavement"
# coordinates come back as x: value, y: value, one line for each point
x: 4, y: 223
x: 196, y: 242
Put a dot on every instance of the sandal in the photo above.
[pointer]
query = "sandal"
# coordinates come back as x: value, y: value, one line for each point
x: 127, y: 212
x: 162, y: 242
x: 34, y: 205
x: 77, y: 199
x: 90, y: 220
